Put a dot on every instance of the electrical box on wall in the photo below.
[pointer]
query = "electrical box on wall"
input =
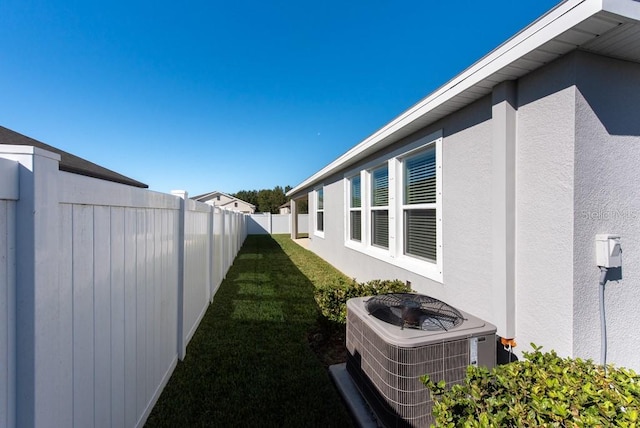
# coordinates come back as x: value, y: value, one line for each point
x: 608, y: 251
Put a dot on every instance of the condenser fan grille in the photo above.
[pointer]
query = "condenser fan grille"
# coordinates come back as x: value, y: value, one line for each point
x: 415, y: 311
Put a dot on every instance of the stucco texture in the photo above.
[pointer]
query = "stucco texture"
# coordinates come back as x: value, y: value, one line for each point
x: 607, y: 200
x: 466, y: 166
x: 544, y: 208
x: 577, y: 151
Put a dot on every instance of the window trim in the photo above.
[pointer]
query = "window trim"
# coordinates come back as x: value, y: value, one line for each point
x: 437, y: 205
x: 395, y: 253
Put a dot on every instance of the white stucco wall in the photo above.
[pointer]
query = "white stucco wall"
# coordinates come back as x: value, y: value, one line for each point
x: 544, y: 208
x: 576, y: 175
x: 466, y: 163
x: 607, y: 200
x: 466, y: 217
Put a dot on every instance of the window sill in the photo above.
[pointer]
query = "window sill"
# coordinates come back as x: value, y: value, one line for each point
x: 423, y: 268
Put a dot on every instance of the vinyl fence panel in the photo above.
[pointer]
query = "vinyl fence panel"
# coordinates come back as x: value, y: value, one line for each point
x: 303, y: 223
x: 260, y: 224
x: 268, y: 224
x: 218, y: 248
x: 280, y: 223
x: 197, y: 259
x: 116, y: 256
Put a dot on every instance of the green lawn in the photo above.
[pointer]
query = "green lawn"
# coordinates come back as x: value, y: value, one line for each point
x: 250, y: 363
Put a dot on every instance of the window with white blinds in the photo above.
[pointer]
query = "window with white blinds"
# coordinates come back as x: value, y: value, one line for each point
x: 380, y: 207
x: 380, y: 187
x: 355, y: 208
x: 393, y: 207
x: 419, y: 209
x: 320, y: 209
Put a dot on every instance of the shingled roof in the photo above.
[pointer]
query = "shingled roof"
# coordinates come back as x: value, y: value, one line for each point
x: 68, y: 162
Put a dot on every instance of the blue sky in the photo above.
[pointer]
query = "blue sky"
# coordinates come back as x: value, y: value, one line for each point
x: 210, y: 95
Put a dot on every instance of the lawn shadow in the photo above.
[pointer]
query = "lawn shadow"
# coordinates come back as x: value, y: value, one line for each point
x: 250, y: 362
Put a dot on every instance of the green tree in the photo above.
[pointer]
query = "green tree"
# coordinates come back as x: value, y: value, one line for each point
x: 302, y: 206
x: 277, y: 198
x: 250, y: 196
x: 265, y: 200
x: 264, y: 197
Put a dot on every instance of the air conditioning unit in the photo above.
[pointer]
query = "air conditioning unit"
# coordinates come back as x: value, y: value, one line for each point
x: 394, y: 339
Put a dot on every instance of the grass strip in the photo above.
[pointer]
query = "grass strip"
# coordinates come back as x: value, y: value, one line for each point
x: 250, y: 363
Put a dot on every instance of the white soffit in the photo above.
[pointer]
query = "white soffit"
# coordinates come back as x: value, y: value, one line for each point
x: 605, y: 27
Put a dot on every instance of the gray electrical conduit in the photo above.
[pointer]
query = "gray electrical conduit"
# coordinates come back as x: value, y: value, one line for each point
x: 603, y: 321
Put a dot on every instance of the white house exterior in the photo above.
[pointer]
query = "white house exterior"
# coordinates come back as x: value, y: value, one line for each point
x: 489, y: 193
x: 222, y: 200
x: 285, y: 208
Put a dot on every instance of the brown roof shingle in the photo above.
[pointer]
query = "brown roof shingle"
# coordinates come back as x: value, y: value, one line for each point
x: 68, y: 162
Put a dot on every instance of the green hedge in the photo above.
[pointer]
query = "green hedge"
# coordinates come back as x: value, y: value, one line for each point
x: 332, y: 297
x: 542, y: 390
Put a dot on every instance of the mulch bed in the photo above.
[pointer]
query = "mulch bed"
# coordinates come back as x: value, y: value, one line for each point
x: 328, y: 343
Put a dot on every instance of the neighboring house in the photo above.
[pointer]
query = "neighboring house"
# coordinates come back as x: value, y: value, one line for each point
x: 68, y: 162
x: 223, y: 200
x: 489, y: 193
x: 285, y: 208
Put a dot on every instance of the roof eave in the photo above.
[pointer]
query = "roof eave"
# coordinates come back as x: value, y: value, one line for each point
x: 477, y: 80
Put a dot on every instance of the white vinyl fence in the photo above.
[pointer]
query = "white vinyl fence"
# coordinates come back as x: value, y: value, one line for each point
x: 102, y: 286
x: 269, y: 224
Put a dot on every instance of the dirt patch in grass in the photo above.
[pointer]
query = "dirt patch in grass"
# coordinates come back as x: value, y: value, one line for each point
x: 327, y: 341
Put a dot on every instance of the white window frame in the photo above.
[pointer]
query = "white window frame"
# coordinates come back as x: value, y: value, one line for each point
x: 351, y: 209
x: 395, y: 253
x: 402, y: 207
x: 317, y: 210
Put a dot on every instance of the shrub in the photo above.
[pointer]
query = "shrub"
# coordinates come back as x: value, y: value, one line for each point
x: 332, y: 297
x: 542, y: 390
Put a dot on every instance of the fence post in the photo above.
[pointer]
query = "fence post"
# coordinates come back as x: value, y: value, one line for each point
x: 228, y: 227
x: 182, y: 347
x: 212, y: 253
x: 9, y: 191
x: 42, y: 374
x: 293, y: 219
x: 217, y: 248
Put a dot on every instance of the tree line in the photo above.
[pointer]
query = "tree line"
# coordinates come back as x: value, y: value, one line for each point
x: 265, y: 200
x: 269, y: 200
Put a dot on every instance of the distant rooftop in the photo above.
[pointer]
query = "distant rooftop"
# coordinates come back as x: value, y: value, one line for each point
x: 68, y: 162
x: 210, y: 195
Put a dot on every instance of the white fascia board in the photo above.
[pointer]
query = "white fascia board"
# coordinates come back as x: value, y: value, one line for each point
x: 9, y: 173
x: 558, y: 20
